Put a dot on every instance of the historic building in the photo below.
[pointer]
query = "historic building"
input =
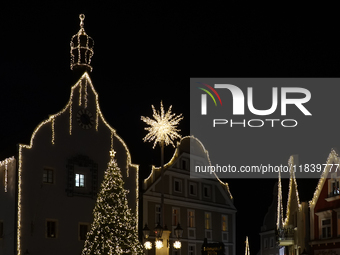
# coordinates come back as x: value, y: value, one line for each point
x: 203, y: 207
x: 48, y: 190
x: 268, y: 234
x: 325, y: 210
x: 293, y: 230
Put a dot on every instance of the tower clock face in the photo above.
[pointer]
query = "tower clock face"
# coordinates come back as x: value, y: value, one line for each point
x: 85, y: 118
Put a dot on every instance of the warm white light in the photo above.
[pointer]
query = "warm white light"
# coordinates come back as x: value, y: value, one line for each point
x: 163, y: 128
x: 247, y: 247
x: 148, y: 245
x: 159, y: 244
x: 177, y: 245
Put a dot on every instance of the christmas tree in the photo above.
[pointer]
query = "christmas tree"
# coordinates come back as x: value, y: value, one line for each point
x: 113, y: 230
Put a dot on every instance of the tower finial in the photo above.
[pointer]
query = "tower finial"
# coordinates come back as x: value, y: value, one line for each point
x: 81, y: 49
x: 81, y: 17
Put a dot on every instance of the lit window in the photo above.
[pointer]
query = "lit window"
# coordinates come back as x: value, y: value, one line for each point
x: 207, y: 220
x: 224, y: 223
x: 51, y: 229
x: 177, y: 185
x: 335, y: 187
x: 191, y: 218
x: 80, y: 180
x: 83, y: 229
x: 48, y: 176
x: 175, y: 216
x: 326, y: 228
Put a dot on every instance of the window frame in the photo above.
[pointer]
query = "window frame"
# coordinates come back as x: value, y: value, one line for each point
x: 47, y: 234
x: 193, y: 252
x: 194, y: 185
x: 79, y: 181
x: 79, y: 230
x: 179, y: 181
x: 157, y: 214
x: 208, y: 188
x: 50, y: 173
x: 1, y: 229
x: 265, y: 243
x: 327, y: 226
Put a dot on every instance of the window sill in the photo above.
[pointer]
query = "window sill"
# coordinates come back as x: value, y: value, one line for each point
x: 329, y: 199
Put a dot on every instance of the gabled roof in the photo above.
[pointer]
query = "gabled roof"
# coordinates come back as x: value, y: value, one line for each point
x: 83, y: 88
x: 281, y: 221
x: 333, y: 157
x: 184, y: 147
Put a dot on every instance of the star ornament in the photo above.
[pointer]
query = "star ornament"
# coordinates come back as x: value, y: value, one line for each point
x: 163, y: 126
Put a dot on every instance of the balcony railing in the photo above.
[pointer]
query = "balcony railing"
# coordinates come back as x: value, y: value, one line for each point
x: 286, y: 236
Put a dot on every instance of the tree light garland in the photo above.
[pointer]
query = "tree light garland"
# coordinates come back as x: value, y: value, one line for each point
x: 247, y: 247
x: 113, y: 229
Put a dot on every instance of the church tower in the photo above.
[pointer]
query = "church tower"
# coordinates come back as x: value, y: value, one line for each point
x: 59, y: 173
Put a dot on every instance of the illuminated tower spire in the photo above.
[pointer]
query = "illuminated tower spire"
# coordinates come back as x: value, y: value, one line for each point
x: 81, y: 49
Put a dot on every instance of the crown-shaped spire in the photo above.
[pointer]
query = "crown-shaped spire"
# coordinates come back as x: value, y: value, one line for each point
x: 81, y: 48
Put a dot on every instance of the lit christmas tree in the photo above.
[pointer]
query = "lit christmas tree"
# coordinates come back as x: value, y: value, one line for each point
x: 113, y: 230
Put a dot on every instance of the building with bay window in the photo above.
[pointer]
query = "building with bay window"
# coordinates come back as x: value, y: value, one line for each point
x: 203, y: 207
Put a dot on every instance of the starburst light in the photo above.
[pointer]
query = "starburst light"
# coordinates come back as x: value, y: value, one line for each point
x: 163, y: 128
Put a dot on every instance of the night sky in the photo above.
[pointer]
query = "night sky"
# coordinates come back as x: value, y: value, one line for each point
x: 146, y: 53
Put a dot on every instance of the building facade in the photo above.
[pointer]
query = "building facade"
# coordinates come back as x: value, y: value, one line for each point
x: 268, y: 234
x: 203, y: 207
x: 293, y: 227
x: 325, y: 210
x: 48, y: 190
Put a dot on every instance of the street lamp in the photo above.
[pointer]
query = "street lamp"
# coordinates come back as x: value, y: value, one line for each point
x: 158, y: 231
x: 178, y: 232
x: 146, y: 233
x: 162, y: 130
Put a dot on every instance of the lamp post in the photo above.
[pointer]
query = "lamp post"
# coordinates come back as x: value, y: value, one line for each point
x: 178, y: 233
x: 146, y: 234
x: 162, y: 130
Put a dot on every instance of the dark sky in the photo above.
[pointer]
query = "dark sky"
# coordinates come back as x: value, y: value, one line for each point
x: 145, y: 53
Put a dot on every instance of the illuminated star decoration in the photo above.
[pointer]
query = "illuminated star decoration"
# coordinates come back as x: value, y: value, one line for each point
x: 163, y: 128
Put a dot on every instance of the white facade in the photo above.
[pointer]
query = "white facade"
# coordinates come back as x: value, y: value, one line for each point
x: 53, y: 181
x: 203, y: 207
